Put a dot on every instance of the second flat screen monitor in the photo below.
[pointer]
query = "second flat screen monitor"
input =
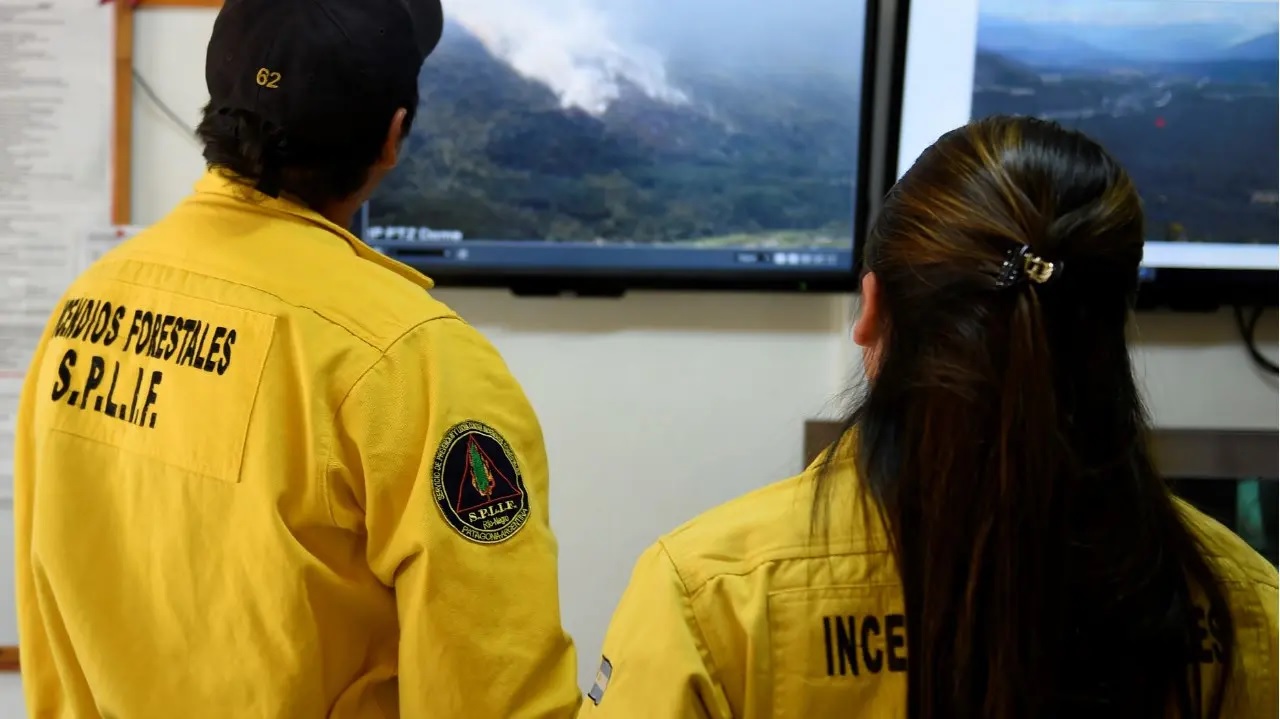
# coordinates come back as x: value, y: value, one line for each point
x: 1183, y: 94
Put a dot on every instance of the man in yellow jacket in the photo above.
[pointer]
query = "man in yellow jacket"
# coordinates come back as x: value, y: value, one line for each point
x: 260, y: 471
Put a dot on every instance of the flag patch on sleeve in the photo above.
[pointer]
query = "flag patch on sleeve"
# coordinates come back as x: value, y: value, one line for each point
x: 602, y: 681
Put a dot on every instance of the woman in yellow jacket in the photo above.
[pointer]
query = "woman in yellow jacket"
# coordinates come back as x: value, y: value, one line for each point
x: 990, y: 537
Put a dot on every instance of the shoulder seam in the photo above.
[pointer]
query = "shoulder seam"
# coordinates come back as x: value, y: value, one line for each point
x: 1270, y: 583
x: 1260, y: 601
x: 337, y: 410
x: 755, y: 567
x: 712, y: 667
x: 383, y: 355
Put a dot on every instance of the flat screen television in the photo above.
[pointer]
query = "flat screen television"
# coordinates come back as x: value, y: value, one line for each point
x: 1183, y: 93
x: 600, y: 145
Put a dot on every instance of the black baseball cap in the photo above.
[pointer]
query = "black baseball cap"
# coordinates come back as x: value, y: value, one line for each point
x: 320, y: 71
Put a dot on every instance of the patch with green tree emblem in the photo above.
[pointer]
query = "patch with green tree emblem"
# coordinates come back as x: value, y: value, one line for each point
x: 477, y: 484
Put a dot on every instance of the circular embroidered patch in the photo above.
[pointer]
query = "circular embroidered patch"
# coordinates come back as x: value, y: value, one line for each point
x: 477, y: 484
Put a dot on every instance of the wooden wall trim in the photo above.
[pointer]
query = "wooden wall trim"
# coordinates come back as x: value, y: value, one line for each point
x: 1179, y: 453
x: 1217, y: 454
x: 177, y: 3
x: 122, y: 119
x: 8, y: 659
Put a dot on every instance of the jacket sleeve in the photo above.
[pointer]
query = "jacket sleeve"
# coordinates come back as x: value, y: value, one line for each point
x: 655, y: 664
x: 452, y: 481
x: 40, y: 683
x: 1269, y: 691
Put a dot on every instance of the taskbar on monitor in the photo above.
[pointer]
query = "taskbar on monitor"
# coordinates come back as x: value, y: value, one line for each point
x: 514, y: 255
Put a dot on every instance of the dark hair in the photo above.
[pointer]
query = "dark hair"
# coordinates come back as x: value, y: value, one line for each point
x: 1045, y: 567
x: 317, y: 165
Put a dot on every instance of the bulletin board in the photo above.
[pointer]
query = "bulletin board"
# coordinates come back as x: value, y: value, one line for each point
x: 121, y: 144
x: 122, y: 140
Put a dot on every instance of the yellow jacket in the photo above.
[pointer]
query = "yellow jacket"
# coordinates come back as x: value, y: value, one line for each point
x: 742, y: 614
x: 262, y: 473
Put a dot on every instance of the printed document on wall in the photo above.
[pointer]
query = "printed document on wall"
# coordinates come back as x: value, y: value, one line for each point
x: 55, y: 171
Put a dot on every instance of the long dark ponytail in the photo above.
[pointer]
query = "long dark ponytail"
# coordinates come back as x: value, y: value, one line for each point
x: 1046, y: 568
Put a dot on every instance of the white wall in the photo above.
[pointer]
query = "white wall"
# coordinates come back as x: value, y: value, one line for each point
x: 657, y: 406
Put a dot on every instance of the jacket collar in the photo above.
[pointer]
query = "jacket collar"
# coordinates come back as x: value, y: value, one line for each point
x: 223, y: 184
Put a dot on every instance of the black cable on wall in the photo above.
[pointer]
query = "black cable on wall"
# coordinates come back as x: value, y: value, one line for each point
x: 1248, y: 327
x: 161, y: 105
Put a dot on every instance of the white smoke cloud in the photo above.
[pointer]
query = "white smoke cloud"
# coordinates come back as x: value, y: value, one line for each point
x: 568, y: 45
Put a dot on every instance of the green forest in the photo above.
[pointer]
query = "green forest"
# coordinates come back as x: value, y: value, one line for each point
x: 1198, y: 135
x: 750, y: 159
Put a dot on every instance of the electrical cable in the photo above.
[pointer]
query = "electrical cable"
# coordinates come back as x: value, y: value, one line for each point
x: 161, y: 105
x: 1248, y: 332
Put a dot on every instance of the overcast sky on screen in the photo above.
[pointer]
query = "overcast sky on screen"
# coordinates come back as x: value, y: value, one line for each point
x: 1259, y: 14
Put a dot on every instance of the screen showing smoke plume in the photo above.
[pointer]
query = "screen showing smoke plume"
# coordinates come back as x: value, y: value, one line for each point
x: 685, y: 123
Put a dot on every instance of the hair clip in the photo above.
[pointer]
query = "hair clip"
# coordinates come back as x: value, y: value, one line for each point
x: 1040, y: 270
x: 1019, y: 263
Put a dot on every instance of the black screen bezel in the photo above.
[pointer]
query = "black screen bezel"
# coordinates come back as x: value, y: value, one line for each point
x: 868, y: 185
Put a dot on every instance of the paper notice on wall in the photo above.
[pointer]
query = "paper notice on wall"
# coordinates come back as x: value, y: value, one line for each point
x: 101, y: 241
x: 55, y: 179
